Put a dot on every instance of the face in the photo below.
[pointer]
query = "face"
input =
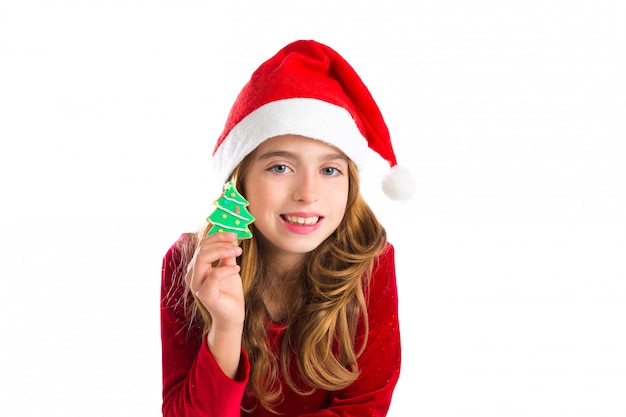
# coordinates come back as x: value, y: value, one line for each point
x: 297, y: 188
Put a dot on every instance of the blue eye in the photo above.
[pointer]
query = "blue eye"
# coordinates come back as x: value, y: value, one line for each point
x: 330, y: 171
x: 279, y: 169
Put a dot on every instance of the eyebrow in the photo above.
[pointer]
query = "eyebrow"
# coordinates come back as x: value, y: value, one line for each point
x: 291, y: 155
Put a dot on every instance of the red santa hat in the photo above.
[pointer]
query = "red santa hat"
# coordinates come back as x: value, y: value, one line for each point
x: 308, y: 89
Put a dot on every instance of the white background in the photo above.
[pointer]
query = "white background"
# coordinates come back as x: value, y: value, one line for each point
x: 510, y: 260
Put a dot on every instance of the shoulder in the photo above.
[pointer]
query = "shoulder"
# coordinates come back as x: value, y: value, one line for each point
x: 383, y: 275
x: 382, y: 291
x: 385, y: 262
x: 179, y: 249
x: 175, y: 259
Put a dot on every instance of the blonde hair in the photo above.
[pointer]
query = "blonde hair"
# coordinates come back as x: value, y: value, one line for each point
x: 328, y: 298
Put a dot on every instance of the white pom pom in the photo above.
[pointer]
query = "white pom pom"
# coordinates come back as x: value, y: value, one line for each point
x: 399, y: 184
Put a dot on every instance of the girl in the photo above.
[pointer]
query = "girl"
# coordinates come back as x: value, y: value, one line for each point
x: 301, y: 319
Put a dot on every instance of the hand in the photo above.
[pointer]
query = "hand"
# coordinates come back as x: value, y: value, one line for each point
x: 213, y: 277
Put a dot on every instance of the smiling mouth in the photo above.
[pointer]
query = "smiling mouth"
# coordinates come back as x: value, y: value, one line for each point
x: 301, y: 221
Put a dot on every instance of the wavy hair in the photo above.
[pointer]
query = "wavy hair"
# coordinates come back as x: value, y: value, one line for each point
x: 328, y: 298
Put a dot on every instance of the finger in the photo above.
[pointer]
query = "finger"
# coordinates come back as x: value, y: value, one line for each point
x: 221, y: 237
x: 208, y: 257
x: 233, y: 259
x: 222, y: 272
x: 197, y: 281
x: 210, y: 254
x: 213, y: 282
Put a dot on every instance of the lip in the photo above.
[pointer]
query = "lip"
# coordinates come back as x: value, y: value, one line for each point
x: 301, y: 223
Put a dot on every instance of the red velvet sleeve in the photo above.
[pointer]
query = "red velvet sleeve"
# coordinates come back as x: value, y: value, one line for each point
x: 370, y: 395
x: 193, y: 383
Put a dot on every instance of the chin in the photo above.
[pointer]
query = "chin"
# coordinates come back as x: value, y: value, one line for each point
x: 298, y: 246
x: 301, y: 248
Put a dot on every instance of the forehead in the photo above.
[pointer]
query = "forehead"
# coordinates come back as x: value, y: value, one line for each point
x: 299, y: 144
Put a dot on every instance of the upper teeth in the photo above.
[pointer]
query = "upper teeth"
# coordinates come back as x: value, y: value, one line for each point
x: 302, y: 220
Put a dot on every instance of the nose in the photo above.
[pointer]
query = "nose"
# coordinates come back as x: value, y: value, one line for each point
x: 306, y: 189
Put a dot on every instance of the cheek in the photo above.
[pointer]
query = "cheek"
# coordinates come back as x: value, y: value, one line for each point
x: 341, y: 208
x: 259, y: 196
x: 339, y: 200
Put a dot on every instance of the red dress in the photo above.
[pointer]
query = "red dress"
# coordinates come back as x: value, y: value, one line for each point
x: 194, y: 385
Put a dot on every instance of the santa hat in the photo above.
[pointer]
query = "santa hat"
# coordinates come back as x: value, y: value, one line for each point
x: 308, y: 89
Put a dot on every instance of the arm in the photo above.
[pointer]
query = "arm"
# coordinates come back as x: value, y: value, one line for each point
x: 370, y: 395
x: 213, y: 276
x: 192, y: 377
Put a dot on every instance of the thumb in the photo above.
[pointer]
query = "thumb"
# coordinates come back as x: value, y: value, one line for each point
x: 230, y: 261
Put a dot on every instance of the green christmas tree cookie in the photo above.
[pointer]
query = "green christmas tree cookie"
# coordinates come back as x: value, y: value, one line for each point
x: 230, y: 214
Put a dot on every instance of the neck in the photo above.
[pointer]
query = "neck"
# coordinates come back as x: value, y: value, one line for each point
x: 282, y: 292
x: 281, y: 264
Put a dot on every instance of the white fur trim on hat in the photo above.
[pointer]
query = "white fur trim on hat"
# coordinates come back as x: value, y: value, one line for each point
x: 308, y: 117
